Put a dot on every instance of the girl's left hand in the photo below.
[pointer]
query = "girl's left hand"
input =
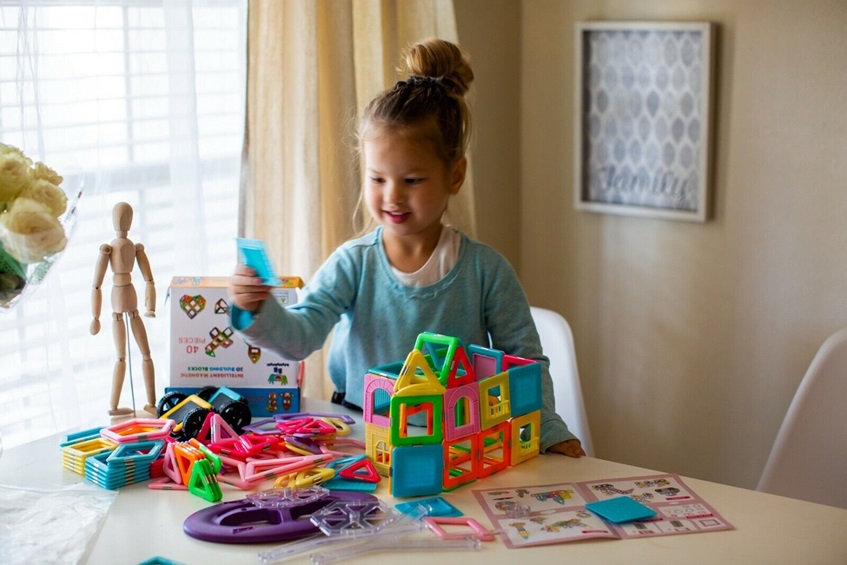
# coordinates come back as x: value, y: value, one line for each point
x: 571, y: 448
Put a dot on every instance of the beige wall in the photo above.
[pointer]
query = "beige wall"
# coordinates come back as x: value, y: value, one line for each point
x: 691, y: 338
x: 490, y: 30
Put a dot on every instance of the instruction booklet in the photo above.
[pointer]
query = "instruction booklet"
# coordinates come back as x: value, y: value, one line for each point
x: 559, y: 513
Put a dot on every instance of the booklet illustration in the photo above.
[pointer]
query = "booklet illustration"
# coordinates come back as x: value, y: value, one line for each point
x: 559, y: 513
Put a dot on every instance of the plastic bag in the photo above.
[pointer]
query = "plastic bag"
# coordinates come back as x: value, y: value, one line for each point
x: 50, y: 525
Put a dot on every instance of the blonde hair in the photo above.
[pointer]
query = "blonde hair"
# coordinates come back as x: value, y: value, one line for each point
x: 430, y: 102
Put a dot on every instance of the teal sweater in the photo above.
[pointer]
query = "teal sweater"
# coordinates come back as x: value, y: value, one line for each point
x: 377, y: 319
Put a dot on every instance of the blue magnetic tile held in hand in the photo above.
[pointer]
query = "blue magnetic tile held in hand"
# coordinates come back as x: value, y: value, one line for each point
x: 255, y: 255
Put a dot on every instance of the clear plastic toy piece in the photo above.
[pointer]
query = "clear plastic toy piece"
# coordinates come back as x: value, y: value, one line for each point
x: 408, y: 523
x: 391, y: 543
x: 344, y: 517
x: 287, y: 497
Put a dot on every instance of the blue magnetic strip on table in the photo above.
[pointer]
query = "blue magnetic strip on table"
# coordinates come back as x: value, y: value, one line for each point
x: 344, y: 484
x: 84, y: 435
x: 435, y: 506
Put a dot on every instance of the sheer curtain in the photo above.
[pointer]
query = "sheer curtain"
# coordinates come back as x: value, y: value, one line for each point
x: 312, y: 66
x: 139, y: 101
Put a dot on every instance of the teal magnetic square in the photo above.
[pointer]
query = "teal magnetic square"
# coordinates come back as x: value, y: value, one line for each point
x: 417, y: 470
x: 621, y: 509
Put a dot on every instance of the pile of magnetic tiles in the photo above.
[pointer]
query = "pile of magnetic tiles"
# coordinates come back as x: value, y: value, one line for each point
x: 293, y: 450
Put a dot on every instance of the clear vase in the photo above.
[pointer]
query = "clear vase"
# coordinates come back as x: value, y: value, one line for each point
x: 18, y: 279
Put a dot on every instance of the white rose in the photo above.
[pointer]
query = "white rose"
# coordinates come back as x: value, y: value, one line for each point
x: 14, y: 177
x: 31, y: 232
x: 45, y: 192
x: 12, y: 150
x: 42, y: 171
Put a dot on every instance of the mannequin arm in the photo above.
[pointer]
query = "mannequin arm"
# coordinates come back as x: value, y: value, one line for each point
x: 96, y: 290
x: 147, y: 274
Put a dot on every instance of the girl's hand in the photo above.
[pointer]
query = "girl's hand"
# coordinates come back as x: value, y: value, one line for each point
x: 246, y: 290
x: 571, y: 448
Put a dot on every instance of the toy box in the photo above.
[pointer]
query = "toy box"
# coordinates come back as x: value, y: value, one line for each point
x: 206, y: 351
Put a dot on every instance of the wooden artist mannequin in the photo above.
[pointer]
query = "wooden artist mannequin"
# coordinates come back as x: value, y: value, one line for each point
x: 121, y: 255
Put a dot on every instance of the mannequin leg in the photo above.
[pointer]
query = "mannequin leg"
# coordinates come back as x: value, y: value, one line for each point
x: 119, y: 334
x: 147, y: 369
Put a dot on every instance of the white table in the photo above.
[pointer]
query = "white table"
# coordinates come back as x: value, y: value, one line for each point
x: 142, y: 523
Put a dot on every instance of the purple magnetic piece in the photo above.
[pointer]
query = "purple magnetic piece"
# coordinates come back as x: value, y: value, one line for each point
x: 301, y: 436
x: 303, y: 441
x: 346, y: 418
x: 241, y: 521
x: 256, y: 427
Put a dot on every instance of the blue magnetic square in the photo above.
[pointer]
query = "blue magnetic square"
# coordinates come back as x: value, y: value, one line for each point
x: 159, y: 561
x: 416, y: 470
x: 255, y: 255
x: 524, y: 388
x: 621, y: 509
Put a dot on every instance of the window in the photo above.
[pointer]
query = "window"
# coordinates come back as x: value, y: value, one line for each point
x: 139, y: 101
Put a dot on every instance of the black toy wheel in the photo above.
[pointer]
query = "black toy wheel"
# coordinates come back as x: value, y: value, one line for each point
x: 193, y: 423
x: 207, y: 392
x: 168, y: 401
x: 237, y: 414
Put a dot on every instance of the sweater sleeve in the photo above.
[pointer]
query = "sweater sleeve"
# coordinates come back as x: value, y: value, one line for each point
x: 296, y: 331
x: 512, y: 329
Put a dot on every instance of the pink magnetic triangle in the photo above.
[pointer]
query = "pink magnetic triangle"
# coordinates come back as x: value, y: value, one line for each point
x: 169, y: 465
x: 317, y: 426
x: 215, y: 429
x: 461, y: 361
x: 363, y: 470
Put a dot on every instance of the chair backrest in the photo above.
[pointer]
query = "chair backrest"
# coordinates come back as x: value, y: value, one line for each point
x: 809, y: 457
x: 557, y: 343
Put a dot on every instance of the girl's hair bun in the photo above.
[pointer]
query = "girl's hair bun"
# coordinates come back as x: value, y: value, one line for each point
x: 440, y: 60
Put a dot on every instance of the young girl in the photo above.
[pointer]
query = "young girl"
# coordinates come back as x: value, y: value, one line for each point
x: 411, y: 273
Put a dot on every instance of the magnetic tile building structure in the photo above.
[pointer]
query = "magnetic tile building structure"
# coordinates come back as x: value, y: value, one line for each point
x: 450, y: 414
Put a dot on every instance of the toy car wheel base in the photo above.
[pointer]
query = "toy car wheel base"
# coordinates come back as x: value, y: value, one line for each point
x: 237, y: 414
x: 207, y: 392
x: 168, y: 402
x: 193, y: 422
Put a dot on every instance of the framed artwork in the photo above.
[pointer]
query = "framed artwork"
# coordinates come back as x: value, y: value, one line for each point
x: 642, y: 115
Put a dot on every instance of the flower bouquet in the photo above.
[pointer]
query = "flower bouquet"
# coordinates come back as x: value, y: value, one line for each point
x: 34, y: 223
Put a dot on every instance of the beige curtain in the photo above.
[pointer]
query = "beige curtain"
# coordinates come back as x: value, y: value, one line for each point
x: 312, y: 66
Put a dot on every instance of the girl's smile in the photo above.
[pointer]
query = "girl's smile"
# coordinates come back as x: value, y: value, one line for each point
x: 398, y: 217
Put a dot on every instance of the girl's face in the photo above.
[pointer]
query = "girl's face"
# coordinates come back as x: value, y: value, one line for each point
x: 407, y: 186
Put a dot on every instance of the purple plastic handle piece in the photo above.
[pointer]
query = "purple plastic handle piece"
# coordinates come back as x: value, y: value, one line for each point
x: 256, y: 427
x: 241, y: 521
x: 346, y: 418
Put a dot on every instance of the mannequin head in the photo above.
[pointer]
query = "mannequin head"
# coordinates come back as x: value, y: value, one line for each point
x: 122, y: 217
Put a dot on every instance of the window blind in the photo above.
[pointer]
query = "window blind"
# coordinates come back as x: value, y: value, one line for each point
x: 139, y: 101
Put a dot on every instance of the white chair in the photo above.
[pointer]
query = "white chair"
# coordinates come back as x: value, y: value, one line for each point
x: 809, y: 457
x: 557, y: 343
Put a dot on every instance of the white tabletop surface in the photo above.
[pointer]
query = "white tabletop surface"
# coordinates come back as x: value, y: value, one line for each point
x: 143, y: 523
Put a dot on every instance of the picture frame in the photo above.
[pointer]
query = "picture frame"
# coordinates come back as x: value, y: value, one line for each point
x: 642, y: 114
